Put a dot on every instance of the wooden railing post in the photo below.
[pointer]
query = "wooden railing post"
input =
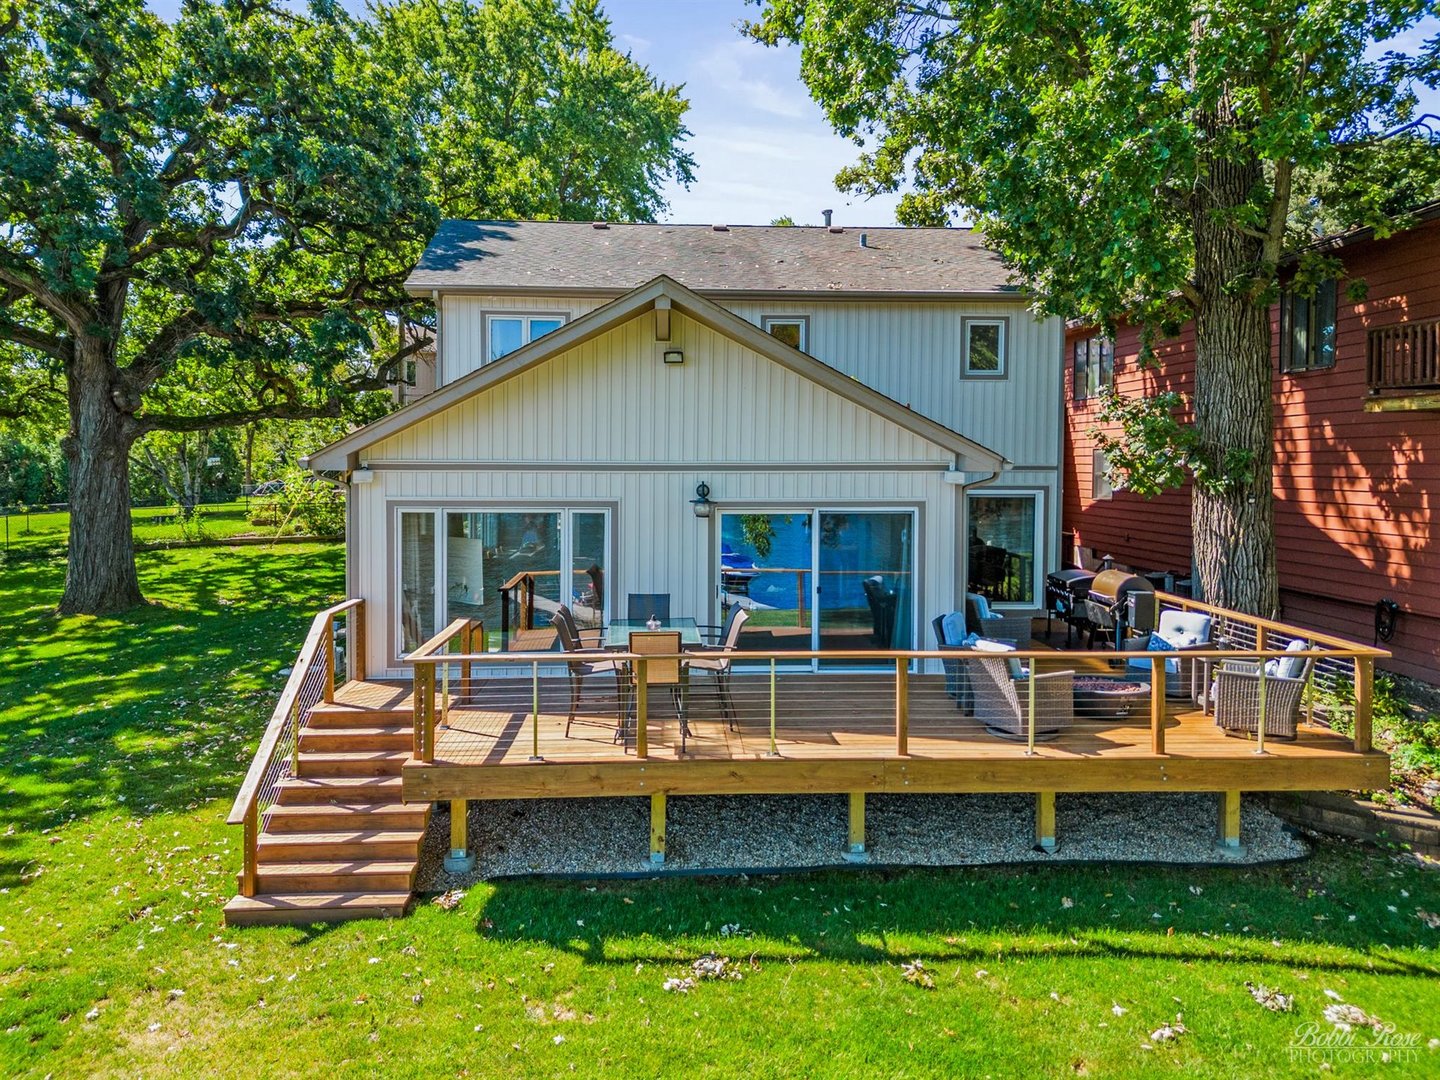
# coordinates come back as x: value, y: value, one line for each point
x: 642, y: 708
x: 355, y: 634
x: 1030, y: 707
x: 529, y: 603
x: 1261, y: 721
x: 1157, y: 705
x: 328, y: 644
x: 251, y: 853
x: 902, y: 706
x: 1364, y: 701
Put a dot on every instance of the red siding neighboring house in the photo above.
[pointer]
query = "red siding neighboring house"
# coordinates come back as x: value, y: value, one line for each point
x: 1357, y: 455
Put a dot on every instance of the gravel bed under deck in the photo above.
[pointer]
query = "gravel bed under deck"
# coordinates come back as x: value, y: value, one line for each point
x: 601, y: 836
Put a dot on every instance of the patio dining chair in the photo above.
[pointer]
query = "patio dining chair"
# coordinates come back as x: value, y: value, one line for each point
x: 641, y: 605
x: 590, y: 638
x: 717, y: 659
x: 667, y: 670
x: 583, y: 664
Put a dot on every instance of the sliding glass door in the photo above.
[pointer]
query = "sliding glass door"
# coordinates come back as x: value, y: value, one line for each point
x: 820, y: 580
x: 454, y: 562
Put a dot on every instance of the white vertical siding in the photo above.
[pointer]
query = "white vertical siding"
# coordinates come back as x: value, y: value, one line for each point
x: 909, y: 351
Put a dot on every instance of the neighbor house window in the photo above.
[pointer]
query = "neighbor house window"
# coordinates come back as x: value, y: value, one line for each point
x: 506, y: 333
x: 1004, y: 541
x: 793, y: 330
x: 1094, y: 367
x: 983, y: 341
x: 1307, y: 328
x: 1101, y: 485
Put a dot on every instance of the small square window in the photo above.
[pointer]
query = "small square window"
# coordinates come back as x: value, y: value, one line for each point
x: 1101, y: 484
x: 793, y: 330
x: 984, y: 346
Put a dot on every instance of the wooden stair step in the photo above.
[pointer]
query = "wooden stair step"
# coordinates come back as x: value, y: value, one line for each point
x: 353, y: 763
x: 332, y: 875
x: 347, y: 843
x: 324, y: 789
x: 340, y: 714
x: 374, y: 737
x: 282, y: 908
x: 325, y: 816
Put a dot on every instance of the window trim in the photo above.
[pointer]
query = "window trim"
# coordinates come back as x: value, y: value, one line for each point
x: 1037, y: 570
x: 526, y: 318
x: 802, y: 321
x: 1102, y: 486
x: 1314, y: 345
x: 1000, y: 321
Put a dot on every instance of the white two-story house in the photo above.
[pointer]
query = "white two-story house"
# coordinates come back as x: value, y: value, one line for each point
x: 842, y: 429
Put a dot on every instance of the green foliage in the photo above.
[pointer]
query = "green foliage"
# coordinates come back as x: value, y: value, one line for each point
x: 524, y: 108
x: 1407, y: 729
x: 315, y: 506
x: 32, y: 473
x: 1158, y: 450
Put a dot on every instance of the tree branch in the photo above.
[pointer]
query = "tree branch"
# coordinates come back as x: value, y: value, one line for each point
x: 22, y: 277
x: 30, y: 337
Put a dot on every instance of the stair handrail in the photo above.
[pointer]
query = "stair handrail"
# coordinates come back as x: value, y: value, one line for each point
x: 316, y: 654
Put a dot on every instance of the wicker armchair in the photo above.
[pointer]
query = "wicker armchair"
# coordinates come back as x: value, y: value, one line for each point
x: 979, y: 619
x: 1002, y: 703
x: 1236, y: 697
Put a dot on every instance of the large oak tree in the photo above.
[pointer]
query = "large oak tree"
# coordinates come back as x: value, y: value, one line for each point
x: 208, y: 222
x: 1128, y: 156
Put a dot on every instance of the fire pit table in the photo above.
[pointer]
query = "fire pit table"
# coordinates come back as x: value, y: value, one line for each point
x: 1101, y: 698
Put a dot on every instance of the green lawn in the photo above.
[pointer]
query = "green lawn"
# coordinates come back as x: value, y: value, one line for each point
x: 37, y: 534
x: 121, y: 742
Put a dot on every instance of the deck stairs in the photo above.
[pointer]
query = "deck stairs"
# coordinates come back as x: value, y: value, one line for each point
x: 339, y: 843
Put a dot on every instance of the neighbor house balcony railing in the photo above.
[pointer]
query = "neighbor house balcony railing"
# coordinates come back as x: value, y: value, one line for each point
x: 1403, y: 356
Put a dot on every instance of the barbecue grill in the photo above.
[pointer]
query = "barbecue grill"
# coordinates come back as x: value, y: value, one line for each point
x: 1065, y: 594
x: 1122, y: 602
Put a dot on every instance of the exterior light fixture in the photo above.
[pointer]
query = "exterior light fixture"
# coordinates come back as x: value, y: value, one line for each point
x: 701, y: 502
x: 674, y: 356
x: 362, y: 475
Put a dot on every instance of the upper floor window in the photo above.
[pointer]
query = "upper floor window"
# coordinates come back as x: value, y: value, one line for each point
x: 793, y: 330
x: 506, y: 333
x: 983, y: 342
x: 1094, y: 367
x: 1307, y: 328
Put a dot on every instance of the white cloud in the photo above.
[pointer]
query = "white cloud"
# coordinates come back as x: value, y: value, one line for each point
x: 736, y: 69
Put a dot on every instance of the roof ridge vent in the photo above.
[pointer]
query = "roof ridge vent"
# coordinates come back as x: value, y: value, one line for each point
x: 599, y: 225
x: 719, y: 228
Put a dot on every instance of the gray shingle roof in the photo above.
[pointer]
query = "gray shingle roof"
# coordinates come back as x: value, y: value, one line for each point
x: 578, y: 256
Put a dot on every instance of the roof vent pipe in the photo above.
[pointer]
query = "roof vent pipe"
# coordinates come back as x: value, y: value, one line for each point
x: 826, y: 215
x: 864, y: 240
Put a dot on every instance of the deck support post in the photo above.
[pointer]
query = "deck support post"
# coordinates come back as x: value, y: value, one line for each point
x: 657, y: 827
x: 1157, y: 705
x: 642, y: 724
x: 1045, y: 821
x: 1229, y: 831
x: 855, y: 848
x: 461, y: 860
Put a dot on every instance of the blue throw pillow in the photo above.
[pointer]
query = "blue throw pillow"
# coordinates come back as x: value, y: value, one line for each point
x: 1159, y: 644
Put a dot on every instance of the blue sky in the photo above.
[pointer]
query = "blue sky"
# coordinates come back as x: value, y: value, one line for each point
x: 762, y: 147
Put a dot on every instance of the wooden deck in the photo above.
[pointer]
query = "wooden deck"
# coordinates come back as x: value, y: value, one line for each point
x: 836, y: 733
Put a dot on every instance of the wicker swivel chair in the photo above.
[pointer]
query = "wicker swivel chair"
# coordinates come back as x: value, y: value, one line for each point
x: 1002, y: 703
x: 1235, y: 694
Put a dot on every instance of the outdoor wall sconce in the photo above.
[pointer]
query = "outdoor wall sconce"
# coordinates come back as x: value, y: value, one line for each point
x: 701, y: 502
x: 362, y: 475
x: 674, y: 356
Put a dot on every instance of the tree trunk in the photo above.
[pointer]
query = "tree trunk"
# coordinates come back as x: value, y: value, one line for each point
x: 1233, y: 523
x: 101, y: 574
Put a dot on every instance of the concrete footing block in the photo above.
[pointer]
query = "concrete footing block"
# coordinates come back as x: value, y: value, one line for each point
x: 459, y: 862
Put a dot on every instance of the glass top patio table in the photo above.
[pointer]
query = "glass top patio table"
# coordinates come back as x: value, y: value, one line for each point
x: 617, y: 634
